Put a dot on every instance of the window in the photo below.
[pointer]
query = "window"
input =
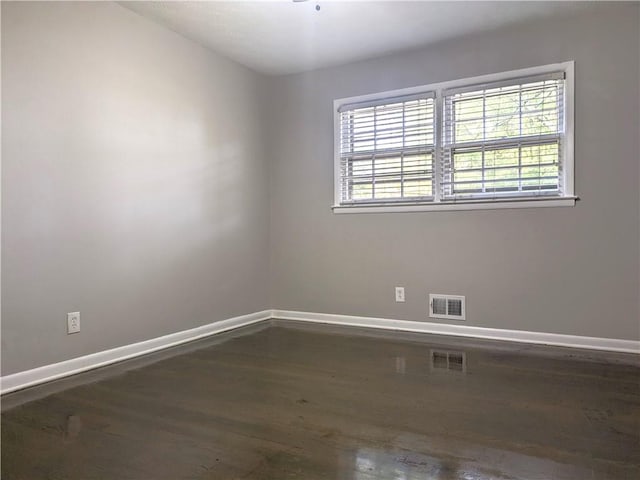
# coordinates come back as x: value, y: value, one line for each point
x: 497, y: 141
x: 387, y: 150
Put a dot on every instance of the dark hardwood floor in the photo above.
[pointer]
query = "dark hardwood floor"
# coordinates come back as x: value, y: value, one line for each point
x: 318, y: 402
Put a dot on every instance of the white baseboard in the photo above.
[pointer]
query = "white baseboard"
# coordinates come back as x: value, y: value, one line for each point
x: 47, y: 373
x: 556, y: 339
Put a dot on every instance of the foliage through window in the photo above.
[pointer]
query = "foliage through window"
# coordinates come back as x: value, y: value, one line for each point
x: 499, y: 140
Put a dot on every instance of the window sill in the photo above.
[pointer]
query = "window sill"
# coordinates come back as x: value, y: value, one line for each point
x: 458, y: 205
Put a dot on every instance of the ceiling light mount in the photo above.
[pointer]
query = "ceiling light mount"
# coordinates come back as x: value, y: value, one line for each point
x: 301, y: 1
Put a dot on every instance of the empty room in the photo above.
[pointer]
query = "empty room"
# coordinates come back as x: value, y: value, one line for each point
x: 321, y: 239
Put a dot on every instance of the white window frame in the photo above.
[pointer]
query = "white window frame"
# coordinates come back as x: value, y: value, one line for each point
x: 566, y: 199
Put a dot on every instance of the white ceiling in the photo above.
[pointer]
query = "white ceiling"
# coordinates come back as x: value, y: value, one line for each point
x: 281, y: 37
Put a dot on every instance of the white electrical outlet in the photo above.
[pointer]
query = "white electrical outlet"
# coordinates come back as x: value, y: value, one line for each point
x: 399, y: 294
x: 73, y: 322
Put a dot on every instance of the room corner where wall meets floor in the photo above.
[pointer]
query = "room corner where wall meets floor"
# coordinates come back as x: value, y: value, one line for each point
x: 598, y: 347
x: 157, y: 187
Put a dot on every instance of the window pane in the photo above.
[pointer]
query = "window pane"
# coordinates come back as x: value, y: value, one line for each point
x: 387, y: 150
x: 388, y: 189
x: 388, y: 166
x: 419, y: 188
x: 469, y: 109
x: 464, y: 161
x: 362, y: 167
x: 502, y: 116
x: 501, y: 158
x: 540, y: 154
x: 504, y: 139
x: 362, y: 191
x: 417, y: 164
x: 467, y: 131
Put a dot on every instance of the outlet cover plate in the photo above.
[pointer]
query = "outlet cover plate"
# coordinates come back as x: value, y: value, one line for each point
x: 73, y: 322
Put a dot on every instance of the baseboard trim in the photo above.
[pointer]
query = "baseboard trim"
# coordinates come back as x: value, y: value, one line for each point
x: 522, y: 336
x: 47, y: 373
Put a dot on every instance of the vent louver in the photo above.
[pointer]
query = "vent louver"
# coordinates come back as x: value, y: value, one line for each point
x: 447, y: 306
x: 439, y: 306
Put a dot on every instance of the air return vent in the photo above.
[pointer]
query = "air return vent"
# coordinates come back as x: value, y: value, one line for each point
x: 446, y: 306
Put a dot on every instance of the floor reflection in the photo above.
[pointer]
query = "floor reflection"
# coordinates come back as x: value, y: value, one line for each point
x: 448, y: 360
x: 379, y: 464
x: 371, y: 463
x: 401, y: 365
x: 459, y: 462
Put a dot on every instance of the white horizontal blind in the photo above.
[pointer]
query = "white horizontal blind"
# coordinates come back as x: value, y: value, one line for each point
x: 387, y: 150
x: 504, y: 139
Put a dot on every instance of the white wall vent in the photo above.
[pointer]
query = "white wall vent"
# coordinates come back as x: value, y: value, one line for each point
x: 446, y: 306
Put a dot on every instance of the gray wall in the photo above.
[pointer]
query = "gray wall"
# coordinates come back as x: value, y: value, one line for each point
x: 134, y: 184
x: 564, y: 270
x: 136, y: 188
